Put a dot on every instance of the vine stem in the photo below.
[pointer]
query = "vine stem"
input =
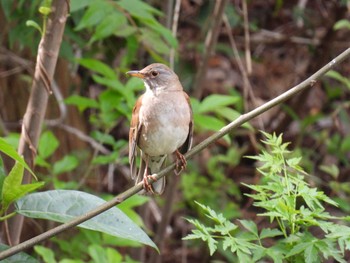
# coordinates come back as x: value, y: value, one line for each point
x: 309, y: 82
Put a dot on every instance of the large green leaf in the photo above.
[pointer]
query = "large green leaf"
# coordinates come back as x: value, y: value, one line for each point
x: 63, y: 205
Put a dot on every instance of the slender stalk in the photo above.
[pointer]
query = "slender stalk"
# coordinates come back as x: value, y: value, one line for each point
x: 210, y: 43
x: 223, y: 131
x: 41, y: 89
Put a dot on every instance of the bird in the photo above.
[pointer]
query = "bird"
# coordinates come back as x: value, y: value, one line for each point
x: 161, y: 125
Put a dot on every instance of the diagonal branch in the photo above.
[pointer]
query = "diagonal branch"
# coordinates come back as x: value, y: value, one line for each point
x: 225, y: 130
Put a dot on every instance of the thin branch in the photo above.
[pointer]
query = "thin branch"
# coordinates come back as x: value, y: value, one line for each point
x: 85, y: 138
x: 210, y: 43
x: 174, y: 31
x: 33, y: 118
x: 247, y: 87
x: 248, y: 58
x: 225, y: 130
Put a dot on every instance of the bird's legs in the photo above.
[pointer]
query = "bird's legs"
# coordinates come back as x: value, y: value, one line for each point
x: 181, y: 163
x: 147, y: 186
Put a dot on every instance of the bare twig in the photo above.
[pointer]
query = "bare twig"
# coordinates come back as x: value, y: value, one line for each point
x: 248, y: 58
x: 45, y: 67
x: 210, y: 43
x: 223, y: 131
x: 61, y: 106
x: 247, y: 89
x: 82, y: 136
x: 174, y: 31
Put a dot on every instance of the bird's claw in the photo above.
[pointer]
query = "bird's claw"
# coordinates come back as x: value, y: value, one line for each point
x: 181, y: 163
x: 146, y: 185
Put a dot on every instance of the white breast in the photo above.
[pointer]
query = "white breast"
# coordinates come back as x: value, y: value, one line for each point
x: 165, y: 122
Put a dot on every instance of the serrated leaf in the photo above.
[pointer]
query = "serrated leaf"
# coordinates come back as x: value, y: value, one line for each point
x: 250, y: 226
x: 268, y: 232
x: 297, y: 249
x: 64, y: 205
x: 311, y: 254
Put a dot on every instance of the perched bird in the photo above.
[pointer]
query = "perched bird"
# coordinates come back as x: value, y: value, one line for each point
x: 161, y: 124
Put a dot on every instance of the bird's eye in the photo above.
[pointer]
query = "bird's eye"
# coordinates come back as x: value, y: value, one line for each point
x: 154, y: 73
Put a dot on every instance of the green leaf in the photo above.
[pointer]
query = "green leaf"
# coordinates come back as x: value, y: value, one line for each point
x: 48, y: 144
x: 97, y: 253
x: 250, y: 226
x: 227, y: 113
x: 64, y: 205
x: 343, y: 23
x: 298, y: 248
x: 130, y: 203
x: 44, y: 10
x: 337, y: 76
x: 96, y: 12
x: 76, y: 5
x: 268, y: 232
x: 208, y: 122
x: 46, y: 253
x: 109, y: 25
x: 7, y: 149
x: 13, y: 188
x: 105, y: 159
x: 34, y: 24
x: 17, y: 258
x: 332, y: 170
x: 212, y: 102
x: 153, y: 41
x: 311, y: 254
x: 139, y: 9
x: 82, y: 103
x: 98, y: 66
x: 66, y: 164
x: 164, y: 32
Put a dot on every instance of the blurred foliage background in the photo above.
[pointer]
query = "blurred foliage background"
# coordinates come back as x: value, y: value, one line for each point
x: 262, y: 49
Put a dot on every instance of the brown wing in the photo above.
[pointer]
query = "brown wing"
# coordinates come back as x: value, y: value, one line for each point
x: 134, y: 134
x: 188, y: 143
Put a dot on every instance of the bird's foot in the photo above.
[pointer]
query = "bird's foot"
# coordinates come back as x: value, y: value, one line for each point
x: 146, y: 185
x: 181, y: 163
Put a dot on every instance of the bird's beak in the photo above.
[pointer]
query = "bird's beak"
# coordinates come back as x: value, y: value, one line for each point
x: 136, y: 73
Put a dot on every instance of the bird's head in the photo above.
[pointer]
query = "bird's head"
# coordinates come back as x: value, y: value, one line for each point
x: 157, y: 77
